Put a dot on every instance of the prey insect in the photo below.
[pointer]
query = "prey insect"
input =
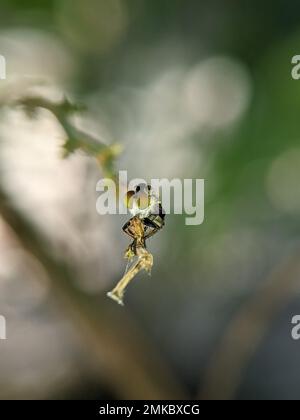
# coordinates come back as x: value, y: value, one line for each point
x: 148, y: 219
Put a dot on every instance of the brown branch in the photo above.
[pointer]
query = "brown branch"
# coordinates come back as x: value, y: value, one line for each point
x: 247, y: 330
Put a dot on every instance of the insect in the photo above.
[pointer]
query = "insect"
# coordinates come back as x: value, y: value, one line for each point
x: 148, y: 218
x: 145, y: 205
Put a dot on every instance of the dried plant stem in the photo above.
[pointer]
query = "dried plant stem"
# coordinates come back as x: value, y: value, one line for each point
x: 144, y: 262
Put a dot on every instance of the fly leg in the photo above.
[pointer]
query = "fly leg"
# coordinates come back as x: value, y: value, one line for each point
x: 153, y: 228
x: 131, y: 250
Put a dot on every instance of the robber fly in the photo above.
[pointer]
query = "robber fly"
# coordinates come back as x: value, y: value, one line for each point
x: 146, y: 206
x: 148, y: 217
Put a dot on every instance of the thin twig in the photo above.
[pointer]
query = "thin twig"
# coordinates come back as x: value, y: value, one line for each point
x: 105, y: 154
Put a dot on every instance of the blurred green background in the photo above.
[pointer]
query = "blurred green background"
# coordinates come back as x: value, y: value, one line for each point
x: 190, y: 89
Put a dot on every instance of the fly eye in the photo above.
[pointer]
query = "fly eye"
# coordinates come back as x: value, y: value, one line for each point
x: 128, y: 199
x: 138, y: 189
